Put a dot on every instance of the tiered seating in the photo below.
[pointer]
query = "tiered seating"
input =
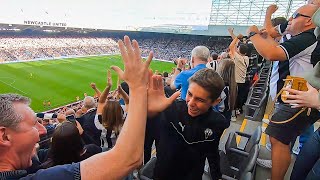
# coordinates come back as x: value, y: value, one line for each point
x: 258, y: 95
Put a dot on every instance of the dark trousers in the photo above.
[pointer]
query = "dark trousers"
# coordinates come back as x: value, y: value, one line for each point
x: 242, y: 94
x: 108, y: 137
x: 307, y: 164
x: 152, y: 134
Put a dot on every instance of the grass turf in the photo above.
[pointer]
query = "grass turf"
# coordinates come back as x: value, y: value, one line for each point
x: 60, y: 81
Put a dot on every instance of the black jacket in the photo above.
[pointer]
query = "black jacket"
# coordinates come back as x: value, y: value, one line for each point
x: 91, y: 135
x: 185, y: 143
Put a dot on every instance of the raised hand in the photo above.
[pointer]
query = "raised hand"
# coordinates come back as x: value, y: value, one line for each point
x: 157, y: 101
x: 240, y: 36
x: 181, y: 63
x: 230, y: 30
x: 115, y: 94
x: 253, y: 29
x: 135, y: 70
x: 93, y: 85
x: 272, y: 9
x: 121, y: 92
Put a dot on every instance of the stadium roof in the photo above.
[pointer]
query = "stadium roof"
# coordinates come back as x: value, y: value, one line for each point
x: 224, y: 13
x: 249, y: 12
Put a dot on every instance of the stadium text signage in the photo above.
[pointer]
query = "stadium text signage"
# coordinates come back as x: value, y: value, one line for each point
x: 44, y: 23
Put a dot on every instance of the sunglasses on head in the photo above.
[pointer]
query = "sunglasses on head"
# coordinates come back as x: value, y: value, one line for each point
x: 296, y: 15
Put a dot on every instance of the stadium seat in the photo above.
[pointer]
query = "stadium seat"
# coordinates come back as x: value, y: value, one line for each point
x: 146, y: 172
x: 236, y: 154
x: 246, y: 168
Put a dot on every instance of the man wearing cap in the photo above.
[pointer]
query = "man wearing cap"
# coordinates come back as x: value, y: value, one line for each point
x: 300, y: 53
x: 307, y: 163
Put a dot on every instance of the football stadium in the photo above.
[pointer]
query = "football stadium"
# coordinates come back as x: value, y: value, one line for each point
x: 61, y: 81
x: 160, y: 90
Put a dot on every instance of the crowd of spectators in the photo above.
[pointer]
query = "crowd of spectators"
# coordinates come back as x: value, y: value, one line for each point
x: 190, y: 121
x: 28, y: 48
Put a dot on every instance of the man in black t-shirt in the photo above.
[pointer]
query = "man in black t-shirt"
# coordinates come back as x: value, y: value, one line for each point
x: 189, y: 130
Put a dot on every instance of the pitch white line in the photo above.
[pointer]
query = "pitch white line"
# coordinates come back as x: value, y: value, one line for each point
x: 12, y: 86
x: 13, y: 80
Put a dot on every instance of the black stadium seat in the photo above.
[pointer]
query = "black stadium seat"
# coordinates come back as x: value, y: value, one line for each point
x: 236, y: 155
x: 246, y: 166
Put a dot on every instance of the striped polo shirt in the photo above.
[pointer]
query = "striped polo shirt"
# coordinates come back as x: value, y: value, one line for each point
x: 302, y: 54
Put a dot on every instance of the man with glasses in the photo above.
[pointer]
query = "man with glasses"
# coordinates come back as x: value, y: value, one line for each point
x: 296, y: 55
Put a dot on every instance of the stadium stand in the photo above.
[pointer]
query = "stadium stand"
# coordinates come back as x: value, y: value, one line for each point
x: 241, y: 146
x: 19, y: 48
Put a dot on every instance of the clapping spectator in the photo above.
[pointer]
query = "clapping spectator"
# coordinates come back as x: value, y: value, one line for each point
x: 110, y: 115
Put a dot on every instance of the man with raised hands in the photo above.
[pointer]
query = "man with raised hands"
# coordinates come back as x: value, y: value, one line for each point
x: 190, y: 130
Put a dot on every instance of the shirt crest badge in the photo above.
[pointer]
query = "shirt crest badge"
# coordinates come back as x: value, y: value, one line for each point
x: 207, y: 133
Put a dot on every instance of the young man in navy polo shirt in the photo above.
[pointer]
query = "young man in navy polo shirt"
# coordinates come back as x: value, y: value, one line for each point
x: 190, y: 130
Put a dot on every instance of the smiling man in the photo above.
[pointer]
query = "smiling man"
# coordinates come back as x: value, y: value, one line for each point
x: 293, y: 57
x: 21, y: 136
x: 190, y: 130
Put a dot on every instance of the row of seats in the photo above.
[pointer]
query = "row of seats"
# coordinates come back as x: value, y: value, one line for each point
x: 258, y: 95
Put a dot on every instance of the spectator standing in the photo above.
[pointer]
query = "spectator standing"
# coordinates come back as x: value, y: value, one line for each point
x: 199, y: 58
x: 299, y: 53
x: 190, y: 130
x: 229, y: 94
x: 238, y: 55
x: 213, y: 62
x: 310, y: 152
x: 91, y: 133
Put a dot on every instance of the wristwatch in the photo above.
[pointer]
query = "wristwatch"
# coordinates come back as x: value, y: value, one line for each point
x: 179, y: 69
x: 251, y: 34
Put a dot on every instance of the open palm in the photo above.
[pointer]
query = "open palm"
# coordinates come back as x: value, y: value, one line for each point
x: 157, y: 101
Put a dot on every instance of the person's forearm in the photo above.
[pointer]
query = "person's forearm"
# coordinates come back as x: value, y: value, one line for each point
x: 104, y: 94
x: 267, y: 21
x: 130, y: 143
x: 97, y: 91
x: 131, y: 140
x: 173, y: 78
x: 233, y: 35
x: 266, y: 47
x: 233, y: 44
x: 125, y: 97
x: 272, y: 31
x: 232, y: 47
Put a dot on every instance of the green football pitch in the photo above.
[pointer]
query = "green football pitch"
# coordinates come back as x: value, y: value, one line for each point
x: 61, y: 81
